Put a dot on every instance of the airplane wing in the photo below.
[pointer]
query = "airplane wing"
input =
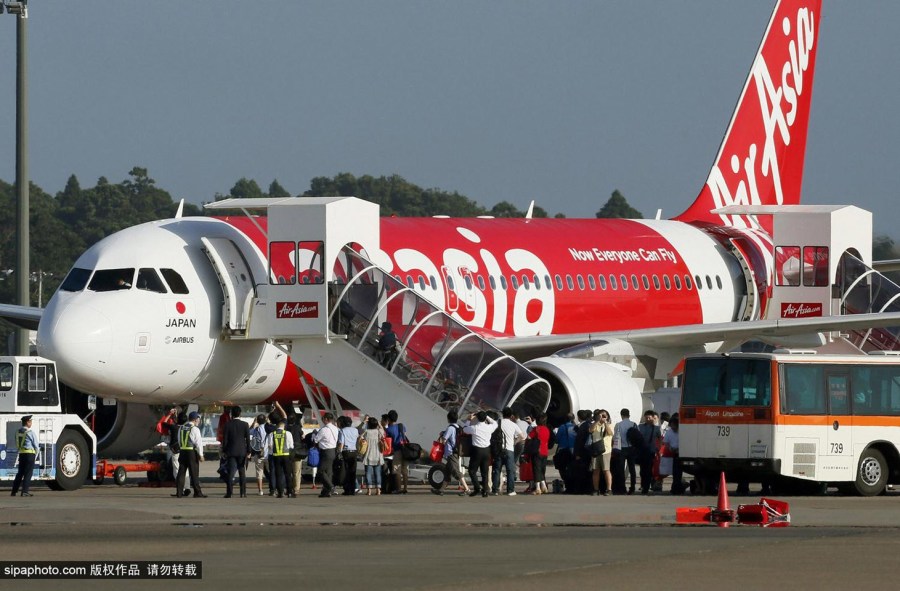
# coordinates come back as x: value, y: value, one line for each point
x: 22, y: 316
x: 698, y: 334
x: 887, y: 266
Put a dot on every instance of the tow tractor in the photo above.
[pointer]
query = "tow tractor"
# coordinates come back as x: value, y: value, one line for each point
x: 67, y: 453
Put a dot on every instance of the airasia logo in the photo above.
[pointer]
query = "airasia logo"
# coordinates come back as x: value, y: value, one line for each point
x: 297, y: 310
x: 758, y: 169
x: 799, y: 310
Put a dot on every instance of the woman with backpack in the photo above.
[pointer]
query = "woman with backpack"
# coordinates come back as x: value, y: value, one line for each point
x: 373, y: 458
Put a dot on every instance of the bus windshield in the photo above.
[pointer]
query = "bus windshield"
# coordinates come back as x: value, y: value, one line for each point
x: 724, y: 381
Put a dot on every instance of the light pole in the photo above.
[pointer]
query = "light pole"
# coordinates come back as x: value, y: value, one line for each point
x: 20, y: 10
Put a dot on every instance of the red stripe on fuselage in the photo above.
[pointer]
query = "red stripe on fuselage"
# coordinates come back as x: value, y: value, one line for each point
x: 567, y: 248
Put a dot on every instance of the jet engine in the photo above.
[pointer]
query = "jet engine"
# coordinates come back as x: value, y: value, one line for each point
x: 123, y: 429
x: 577, y: 384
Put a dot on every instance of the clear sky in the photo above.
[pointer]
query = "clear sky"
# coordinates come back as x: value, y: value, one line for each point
x: 561, y: 102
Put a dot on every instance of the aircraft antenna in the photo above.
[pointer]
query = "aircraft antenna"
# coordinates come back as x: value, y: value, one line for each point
x: 530, y: 210
x: 180, y: 209
x: 659, y: 214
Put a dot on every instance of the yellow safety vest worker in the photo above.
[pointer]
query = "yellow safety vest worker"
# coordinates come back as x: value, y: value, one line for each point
x: 21, y: 434
x: 278, y: 439
x: 184, y: 437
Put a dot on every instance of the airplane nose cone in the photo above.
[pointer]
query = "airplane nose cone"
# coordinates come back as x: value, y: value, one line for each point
x: 78, y: 337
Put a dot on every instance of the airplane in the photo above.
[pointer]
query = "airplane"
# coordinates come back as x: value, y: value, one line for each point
x: 138, y: 319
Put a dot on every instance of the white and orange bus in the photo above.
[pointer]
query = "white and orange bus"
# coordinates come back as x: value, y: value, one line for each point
x: 792, y: 418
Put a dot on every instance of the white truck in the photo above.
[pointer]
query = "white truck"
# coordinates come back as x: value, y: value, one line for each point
x: 67, y: 454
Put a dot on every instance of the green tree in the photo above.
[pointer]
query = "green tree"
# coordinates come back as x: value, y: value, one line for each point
x: 618, y: 207
x: 245, y: 189
x: 395, y: 195
x: 505, y: 209
x: 276, y: 190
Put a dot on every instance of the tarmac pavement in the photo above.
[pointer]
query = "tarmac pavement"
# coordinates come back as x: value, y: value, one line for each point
x: 420, y: 540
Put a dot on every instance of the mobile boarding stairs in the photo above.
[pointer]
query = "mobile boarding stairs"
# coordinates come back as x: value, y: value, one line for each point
x: 328, y: 294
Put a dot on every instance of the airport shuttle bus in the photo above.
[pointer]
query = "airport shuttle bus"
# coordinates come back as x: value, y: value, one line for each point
x: 797, y: 420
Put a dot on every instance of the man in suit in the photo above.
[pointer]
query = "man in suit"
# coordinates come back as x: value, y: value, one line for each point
x: 236, y: 449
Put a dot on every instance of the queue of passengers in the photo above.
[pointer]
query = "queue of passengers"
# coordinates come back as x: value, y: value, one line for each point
x: 594, y: 454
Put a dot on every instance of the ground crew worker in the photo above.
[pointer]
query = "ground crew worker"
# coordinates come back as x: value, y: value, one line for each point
x: 190, y: 455
x: 279, y: 444
x: 26, y: 441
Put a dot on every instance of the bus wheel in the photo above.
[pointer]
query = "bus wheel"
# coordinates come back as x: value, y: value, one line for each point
x: 72, y: 461
x: 437, y: 476
x: 872, y: 475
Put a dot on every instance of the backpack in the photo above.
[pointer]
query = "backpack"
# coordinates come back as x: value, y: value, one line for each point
x: 362, y: 445
x: 312, y: 460
x: 496, y: 445
x: 634, y: 437
x: 256, y: 443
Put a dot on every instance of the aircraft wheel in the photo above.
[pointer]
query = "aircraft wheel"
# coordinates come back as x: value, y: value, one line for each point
x: 72, y: 461
x: 437, y: 476
x: 872, y: 475
x: 120, y: 475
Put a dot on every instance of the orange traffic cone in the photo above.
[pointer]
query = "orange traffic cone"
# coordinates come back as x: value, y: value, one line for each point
x: 723, y: 514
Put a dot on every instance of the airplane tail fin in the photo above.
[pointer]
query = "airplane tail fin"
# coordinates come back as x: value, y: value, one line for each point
x: 760, y: 161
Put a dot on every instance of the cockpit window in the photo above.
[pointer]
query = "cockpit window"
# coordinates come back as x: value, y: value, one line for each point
x: 76, y: 279
x: 149, y: 280
x: 112, y: 280
x: 176, y: 283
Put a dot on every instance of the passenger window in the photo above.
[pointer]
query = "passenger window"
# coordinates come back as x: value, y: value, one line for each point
x: 623, y: 281
x: 570, y: 283
x: 580, y: 280
x: 409, y: 281
x: 76, y: 279
x: 493, y: 282
x: 612, y: 282
x: 481, y: 283
x: 112, y: 280
x: 176, y: 283
x: 645, y: 282
x: 667, y: 283
x: 503, y: 282
x: 537, y: 282
x: 634, y: 281
x: 559, y: 283
x: 699, y: 282
x: 450, y: 282
x: 6, y: 376
x: 422, y: 282
x: 687, y: 283
x: 514, y: 281
x: 708, y: 282
x: 434, y: 283
x: 601, y: 280
x: 468, y: 280
x: 547, y: 282
x: 677, y: 282
x: 591, y: 283
x: 718, y: 282
x: 525, y: 282
x: 149, y: 280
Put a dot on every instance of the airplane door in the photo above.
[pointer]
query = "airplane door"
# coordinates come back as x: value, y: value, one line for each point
x: 838, y: 461
x: 236, y: 281
x: 452, y: 299
x: 468, y: 288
